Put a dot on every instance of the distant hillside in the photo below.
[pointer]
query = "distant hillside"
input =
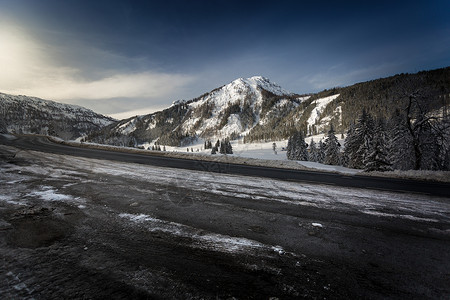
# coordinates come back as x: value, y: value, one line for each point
x: 22, y: 114
x: 382, y: 96
x: 259, y: 110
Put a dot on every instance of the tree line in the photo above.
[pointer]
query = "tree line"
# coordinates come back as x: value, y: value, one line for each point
x: 222, y: 146
x: 417, y: 138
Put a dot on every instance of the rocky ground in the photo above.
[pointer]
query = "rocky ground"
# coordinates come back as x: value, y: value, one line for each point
x: 83, y: 228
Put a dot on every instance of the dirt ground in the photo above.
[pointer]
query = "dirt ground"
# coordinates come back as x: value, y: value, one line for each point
x: 87, y: 229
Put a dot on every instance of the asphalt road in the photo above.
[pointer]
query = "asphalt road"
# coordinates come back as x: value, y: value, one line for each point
x: 366, y: 182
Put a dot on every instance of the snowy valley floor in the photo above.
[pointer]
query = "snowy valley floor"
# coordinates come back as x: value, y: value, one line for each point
x: 262, y: 154
x: 83, y: 228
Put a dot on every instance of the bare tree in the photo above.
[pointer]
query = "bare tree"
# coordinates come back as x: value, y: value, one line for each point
x: 428, y: 129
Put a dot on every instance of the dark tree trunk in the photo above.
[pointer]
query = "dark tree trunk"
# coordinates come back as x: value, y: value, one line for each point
x: 415, y: 138
x: 417, y: 156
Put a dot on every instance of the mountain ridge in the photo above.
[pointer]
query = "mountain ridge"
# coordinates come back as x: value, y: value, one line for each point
x: 26, y: 114
x: 256, y: 109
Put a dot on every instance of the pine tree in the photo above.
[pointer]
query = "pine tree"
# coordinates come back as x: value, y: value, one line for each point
x: 377, y: 155
x: 401, y: 153
x: 290, y: 148
x: 222, y: 149
x: 350, y: 146
x: 442, y: 132
x: 297, y: 148
x: 430, y: 148
x: 313, y: 151
x: 344, y: 160
x: 3, y: 126
x: 208, y: 144
x: 132, y: 142
x: 321, y: 152
x: 332, y: 149
x: 228, y: 147
x: 359, y: 136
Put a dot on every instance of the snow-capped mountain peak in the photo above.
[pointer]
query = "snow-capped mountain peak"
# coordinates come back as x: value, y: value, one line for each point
x: 229, y: 111
x: 239, y: 90
x: 260, y: 82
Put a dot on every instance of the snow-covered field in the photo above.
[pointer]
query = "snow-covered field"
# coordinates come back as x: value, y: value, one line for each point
x: 261, y: 150
x: 265, y: 151
x: 262, y: 154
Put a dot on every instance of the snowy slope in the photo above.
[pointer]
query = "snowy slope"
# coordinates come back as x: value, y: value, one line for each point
x: 239, y: 93
x: 319, y: 105
x: 23, y: 114
x: 259, y: 82
x: 316, y: 113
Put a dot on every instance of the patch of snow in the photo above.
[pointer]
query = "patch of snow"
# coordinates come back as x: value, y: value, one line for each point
x: 320, y: 105
x: 275, y: 110
x: 262, y: 82
x: 5, y: 198
x: 189, y: 124
x: 409, y: 217
x: 317, y: 225
x: 49, y: 194
x: 202, y: 239
x: 10, y: 200
x: 178, y: 102
x: 141, y: 218
x: 128, y: 127
x: 151, y: 125
x: 13, y: 182
x: 303, y: 98
x: 323, y: 167
x: 338, y: 110
x: 233, y: 125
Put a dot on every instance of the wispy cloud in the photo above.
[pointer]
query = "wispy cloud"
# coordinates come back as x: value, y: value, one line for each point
x: 122, y: 85
x: 343, y: 75
x: 137, y: 112
x: 28, y: 68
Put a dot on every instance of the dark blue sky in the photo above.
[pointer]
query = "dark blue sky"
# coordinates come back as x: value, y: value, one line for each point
x: 195, y: 46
